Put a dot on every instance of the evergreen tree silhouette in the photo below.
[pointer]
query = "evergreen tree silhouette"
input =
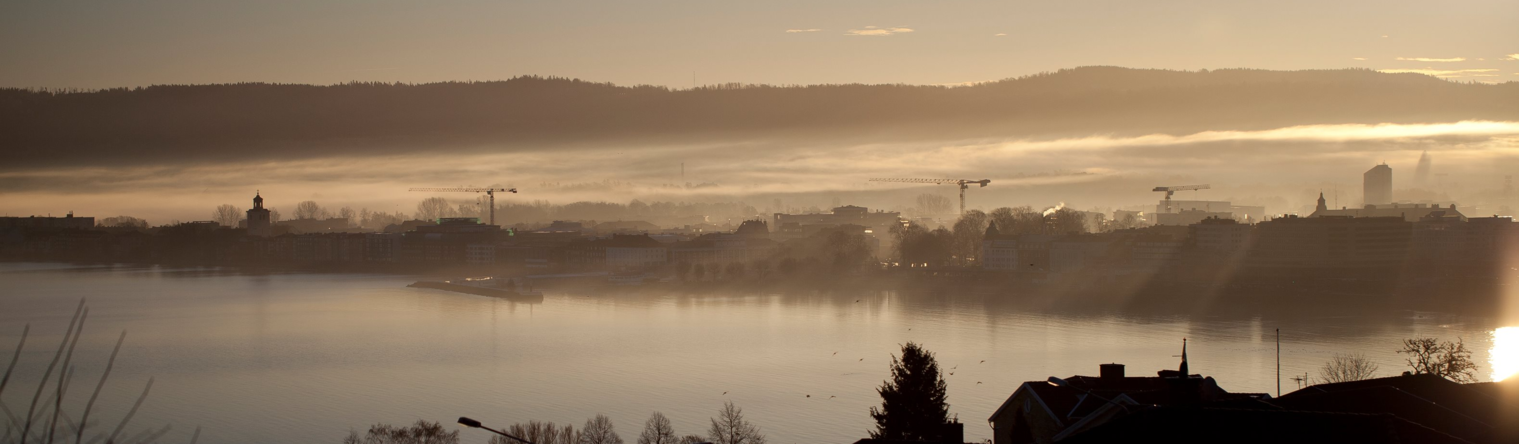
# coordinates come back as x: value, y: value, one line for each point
x: 913, y: 406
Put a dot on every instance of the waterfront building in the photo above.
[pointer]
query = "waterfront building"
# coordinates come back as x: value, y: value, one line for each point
x: 67, y: 222
x: 258, y: 218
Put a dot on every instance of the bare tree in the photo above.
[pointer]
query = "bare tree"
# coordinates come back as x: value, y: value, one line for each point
x: 599, y: 430
x: 692, y: 439
x: 308, y: 210
x: 1450, y: 360
x: 657, y: 430
x: 423, y: 432
x: 227, y: 215
x: 379, y: 220
x: 433, y: 208
x: 1128, y: 221
x: 729, y: 427
x: 469, y: 210
x: 346, y: 213
x: 1347, y: 367
x: 932, y: 204
x: 1065, y: 220
x: 274, y: 215
x: 123, y: 222
x: 539, y: 433
x: 1097, y: 222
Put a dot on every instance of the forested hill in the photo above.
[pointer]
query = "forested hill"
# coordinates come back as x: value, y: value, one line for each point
x: 280, y: 121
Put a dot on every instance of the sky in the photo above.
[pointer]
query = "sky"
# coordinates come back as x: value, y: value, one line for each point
x: 124, y: 43
x: 99, y: 44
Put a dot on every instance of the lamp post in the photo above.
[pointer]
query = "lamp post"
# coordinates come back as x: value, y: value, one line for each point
x: 476, y: 424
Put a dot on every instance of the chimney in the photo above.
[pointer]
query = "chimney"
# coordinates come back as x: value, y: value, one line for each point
x: 1111, y: 373
x: 954, y: 432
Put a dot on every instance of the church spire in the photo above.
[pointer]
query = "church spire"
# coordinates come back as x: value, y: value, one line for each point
x: 258, y: 200
x: 1321, y: 206
x: 1183, y: 369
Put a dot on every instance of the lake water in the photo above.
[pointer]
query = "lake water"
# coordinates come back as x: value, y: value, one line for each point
x: 306, y: 358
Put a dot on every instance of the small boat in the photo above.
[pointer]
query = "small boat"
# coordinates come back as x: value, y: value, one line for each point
x: 481, y: 287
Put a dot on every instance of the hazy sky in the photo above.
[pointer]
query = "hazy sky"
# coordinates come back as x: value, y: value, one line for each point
x: 98, y: 43
x: 1283, y: 169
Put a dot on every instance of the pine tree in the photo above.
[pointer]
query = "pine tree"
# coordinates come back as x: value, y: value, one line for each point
x: 913, y: 406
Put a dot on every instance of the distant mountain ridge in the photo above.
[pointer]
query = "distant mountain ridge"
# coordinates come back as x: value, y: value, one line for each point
x: 255, y: 120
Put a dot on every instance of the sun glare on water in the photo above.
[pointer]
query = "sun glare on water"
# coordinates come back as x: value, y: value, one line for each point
x: 1505, y: 353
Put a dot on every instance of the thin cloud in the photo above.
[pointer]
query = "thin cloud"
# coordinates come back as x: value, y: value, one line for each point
x: 1440, y: 72
x: 1427, y: 59
x: 1358, y: 58
x: 793, y: 31
x: 1512, y: 57
x: 872, y: 31
x: 999, y: 35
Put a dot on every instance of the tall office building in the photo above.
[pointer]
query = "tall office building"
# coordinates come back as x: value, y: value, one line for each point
x: 1378, y: 183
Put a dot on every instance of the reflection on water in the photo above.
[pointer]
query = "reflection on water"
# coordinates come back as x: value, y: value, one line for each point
x: 305, y: 358
x: 1504, y: 357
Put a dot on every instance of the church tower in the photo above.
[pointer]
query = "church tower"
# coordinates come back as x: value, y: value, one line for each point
x: 258, y: 218
x: 1321, y: 206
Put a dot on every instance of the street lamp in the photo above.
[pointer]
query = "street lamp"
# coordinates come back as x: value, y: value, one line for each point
x: 476, y: 424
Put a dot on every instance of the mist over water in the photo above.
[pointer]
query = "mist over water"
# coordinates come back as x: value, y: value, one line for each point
x: 305, y: 358
x: 1282, y: 169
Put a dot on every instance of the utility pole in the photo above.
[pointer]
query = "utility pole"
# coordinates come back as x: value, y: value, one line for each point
x: 1278, y: 362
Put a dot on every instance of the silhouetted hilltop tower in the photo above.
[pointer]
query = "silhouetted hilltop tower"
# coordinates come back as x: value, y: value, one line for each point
x: 258, y: 218
x: 1378, y: 185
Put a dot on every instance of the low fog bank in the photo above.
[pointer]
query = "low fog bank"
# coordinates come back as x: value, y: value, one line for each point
x: 193, y: 125
x: 1282, y: 169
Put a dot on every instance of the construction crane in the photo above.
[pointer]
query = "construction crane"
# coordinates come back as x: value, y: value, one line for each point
x: 963, y: 183
x: 1172, y: 190
x: 488, y: 192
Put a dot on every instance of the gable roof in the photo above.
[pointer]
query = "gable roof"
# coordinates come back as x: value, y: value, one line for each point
x: 1185, y: 425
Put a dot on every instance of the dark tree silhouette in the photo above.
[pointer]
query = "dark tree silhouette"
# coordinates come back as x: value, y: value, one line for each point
x: 123, y: 222
x: 657, y: 430
x: 227, y: 215
x: 1450, y: 360
x: 539, y: 433
x: 730, y: 427
x: 423, y: 432
x: 917, y: 245
x: 969, y: 231
x: 1347, y: 367
x: 913, y: 406
x: 599, y: 430
x: 309, y: 210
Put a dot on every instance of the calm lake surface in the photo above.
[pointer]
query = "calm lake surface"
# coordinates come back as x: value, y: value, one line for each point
x: 306, y: 358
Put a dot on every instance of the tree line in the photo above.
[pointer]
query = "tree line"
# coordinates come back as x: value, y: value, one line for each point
x: 260, y: 120
x: 959, y: 244
x: 536, y: 212
x: 728, y: 427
